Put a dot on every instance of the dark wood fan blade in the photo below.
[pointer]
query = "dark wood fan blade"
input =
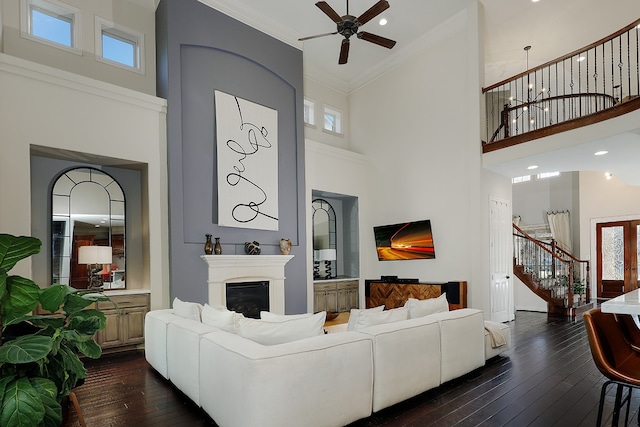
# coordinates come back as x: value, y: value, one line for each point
x: 373, y: 11
x: 344, y: 51
x: 379, y: 40
x: 328, y: 10
x: 317, y: 35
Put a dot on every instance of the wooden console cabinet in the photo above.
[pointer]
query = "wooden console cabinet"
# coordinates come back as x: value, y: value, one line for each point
x: 124, y: 329
x: 335, y: 295
x: 393, y: 294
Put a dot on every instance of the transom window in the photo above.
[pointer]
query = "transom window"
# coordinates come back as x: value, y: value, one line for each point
x: 332, y: 120
x: 119, y: 46
x: 309, y: 112
x: 51, y: 22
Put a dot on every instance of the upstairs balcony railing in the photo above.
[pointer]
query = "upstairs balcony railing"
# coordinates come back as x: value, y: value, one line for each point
x: 592, y: 84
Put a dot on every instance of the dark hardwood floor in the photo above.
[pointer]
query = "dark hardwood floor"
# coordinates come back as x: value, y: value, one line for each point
x: 547, y: 378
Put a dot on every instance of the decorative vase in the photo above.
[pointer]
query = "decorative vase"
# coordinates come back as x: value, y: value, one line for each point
x: 208, y: 245
x: 217, y: 249
x: 285, y: 246
x: 252, y: 248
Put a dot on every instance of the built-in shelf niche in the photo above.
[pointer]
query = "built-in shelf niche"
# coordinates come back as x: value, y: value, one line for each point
x: 347, y: 232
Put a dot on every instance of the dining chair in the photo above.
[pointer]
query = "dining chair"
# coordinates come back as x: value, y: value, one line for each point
x: 615, y: 359
x: 630, y: 330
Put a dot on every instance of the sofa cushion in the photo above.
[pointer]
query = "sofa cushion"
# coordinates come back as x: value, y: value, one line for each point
x: 271, y: 333
x: 221, y: 318
x: 424, y: 307
x: 321, y: 381
x: 354, y: 315
x: 367, y: 319
x: 188, y: 310
x: 275, y: 317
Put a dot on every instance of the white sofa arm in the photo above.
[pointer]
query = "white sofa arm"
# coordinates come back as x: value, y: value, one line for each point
x: 462, y: 342
x: 183, y: 354
x: 406, y: 359
x: 155, y: 338
x: 320, y: 381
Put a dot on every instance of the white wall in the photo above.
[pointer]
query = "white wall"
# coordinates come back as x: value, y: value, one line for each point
x: 122, y: 12
x: 323, y: 95
x: 53, y: 109
x: 418, y: 126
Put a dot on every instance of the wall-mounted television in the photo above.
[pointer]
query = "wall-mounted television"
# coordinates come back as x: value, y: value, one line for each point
x: 409, y: 240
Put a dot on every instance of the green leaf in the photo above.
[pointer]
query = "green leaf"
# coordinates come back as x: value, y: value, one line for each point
x: 88, y: 321
x: 3, y: 284
x: 21, y: 406
x: 54, y: 296
x: 90, y: 349
x: 75, y: 303
x: 21, y: 297
x: 25, y: 349
x: 49, y: 397
x: 14, y: 249
x: 3, y: 385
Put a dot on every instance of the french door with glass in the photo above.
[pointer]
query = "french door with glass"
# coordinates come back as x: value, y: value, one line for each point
x: 617, y: 247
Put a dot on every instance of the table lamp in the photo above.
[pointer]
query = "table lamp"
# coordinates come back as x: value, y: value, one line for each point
x: 95, y: 257
x: 325, y: 255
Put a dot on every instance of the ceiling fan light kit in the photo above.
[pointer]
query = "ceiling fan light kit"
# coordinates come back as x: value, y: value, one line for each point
x: 348, y: 25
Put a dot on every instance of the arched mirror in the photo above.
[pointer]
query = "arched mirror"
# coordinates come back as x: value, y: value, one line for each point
x: 88, y: 218
x: 324, y: 240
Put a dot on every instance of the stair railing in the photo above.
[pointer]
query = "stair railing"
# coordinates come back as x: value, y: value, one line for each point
x: 553, y: 268
x: 591, y: 84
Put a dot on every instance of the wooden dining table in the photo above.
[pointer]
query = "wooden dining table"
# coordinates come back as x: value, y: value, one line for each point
x: 628, y: 303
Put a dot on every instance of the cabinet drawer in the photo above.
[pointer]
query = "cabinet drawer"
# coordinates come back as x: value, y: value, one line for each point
x: 124, y: 301
x: 323, y: 287
x: 349, y: 284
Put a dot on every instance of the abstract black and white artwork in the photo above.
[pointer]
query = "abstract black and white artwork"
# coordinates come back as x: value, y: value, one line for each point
x: 247, y: 151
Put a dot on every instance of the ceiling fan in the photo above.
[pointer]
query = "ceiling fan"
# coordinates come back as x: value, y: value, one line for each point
x: 348, y: 26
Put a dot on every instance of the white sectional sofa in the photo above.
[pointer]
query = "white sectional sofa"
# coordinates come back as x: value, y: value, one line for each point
x: 324, y: 380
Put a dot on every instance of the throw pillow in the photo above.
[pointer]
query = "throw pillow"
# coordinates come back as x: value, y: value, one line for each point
x: 221, y: 318
x: 354, y: 315
x: 188, y: 310
x: 272, y: 333
x: 274, y: 317
x: 378, y: 318
x: 424, y: 307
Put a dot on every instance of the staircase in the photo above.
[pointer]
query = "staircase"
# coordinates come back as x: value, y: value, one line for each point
x: 553, y: 274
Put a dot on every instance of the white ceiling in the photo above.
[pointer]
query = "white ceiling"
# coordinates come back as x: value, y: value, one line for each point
x: 552, y: 27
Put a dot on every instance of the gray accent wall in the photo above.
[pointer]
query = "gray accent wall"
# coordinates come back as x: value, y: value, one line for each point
x: 201, y: 50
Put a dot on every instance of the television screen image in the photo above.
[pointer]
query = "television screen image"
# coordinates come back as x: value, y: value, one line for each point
x: 410, y: 240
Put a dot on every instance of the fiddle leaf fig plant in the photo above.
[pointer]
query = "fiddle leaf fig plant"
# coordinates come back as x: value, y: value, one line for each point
x: 39, y: 353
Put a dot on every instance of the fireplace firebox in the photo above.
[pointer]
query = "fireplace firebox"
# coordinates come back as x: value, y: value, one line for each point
x: 248, y: 298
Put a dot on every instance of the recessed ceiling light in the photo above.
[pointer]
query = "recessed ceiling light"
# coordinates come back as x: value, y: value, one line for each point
x: 535, y: 1
x: 533, y: 167
x: 383, y: 21
x: 600, y: 153
x: 608, y: 175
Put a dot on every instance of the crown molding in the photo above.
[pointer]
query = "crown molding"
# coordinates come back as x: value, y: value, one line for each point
x: 432, y: 38
x: 147, y: 4
x: 236, y: 10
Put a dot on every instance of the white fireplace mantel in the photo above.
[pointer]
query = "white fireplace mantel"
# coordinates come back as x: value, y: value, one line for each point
x: 225, y: 269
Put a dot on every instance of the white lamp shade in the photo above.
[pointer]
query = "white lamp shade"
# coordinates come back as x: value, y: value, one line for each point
x: 324, y: 255
x: 95, y: 255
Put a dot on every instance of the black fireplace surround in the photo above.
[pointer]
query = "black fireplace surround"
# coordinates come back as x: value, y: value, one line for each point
x: 248, y: 298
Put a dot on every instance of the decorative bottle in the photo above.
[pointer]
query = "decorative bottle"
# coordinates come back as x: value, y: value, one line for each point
x: 217, y: 249
x: 208, y: 245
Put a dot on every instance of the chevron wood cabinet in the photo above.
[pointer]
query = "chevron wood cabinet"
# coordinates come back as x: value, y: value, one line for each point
x: 338, y: 295
x: 394, y: 294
